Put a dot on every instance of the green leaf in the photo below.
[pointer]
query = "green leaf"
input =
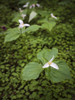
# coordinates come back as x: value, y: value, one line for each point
x: 48, y: 25
x: 40, y: 21
x: 41, y: 56
x: 32, y: 15
x: 44, y: 13
x: 45, y: 55
x: 58, y: 75
x: 32, y: 28
x: 12, y: 34
x: 51, y: 53
x: 31, y: 71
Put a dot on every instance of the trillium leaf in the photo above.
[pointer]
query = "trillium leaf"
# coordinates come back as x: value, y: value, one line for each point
x: 40, y: 21
x: 51, y: 53
x: 31, y: 71
x: 32, y: 28
x: 32, y: 15
x: 41, y: 56
x: 12, y: 34
x: 48, y: 25
x: 45, y: 55
x: 58, y: 75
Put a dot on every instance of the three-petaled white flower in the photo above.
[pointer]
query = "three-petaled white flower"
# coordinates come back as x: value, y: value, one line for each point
x: 34, y: 5
x: 23, y: 16
x: 50, y: 63
x: 53, y: 16
x: 26, y: 5
x: 38, y: 5
x: 20, y: 10
x: 21, y: 25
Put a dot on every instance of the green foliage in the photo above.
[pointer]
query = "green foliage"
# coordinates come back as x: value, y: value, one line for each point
x: 12, y: 34
x: 48, y: 25
x: 16, y: 54
x: 59, y: 75
x: 46, y: 55
x: 31, y: 71
x: 32, y: 28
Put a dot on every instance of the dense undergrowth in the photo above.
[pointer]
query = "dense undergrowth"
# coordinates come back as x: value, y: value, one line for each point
x: 16, y: 54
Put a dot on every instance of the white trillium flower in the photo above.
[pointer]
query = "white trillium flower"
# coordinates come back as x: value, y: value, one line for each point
x: 34, y: 5
x: 38, y: 5
x: 23, y: 16
x: 20, y: 10
x: 50, y: 63
x: 21, y: 25
x: 53, y: 16
x: 26, y: 5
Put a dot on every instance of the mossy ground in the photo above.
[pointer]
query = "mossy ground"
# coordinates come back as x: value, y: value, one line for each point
x: 16, y: 54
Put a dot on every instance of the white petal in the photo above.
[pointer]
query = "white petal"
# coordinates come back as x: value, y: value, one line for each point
x: 46, y: 65
x: 51, y: 59
x: 20, y: 21
x: 21, y: 26
x: 54, y: 65
x: 38, y: 5
x: 26, y: 5
x: 33, y: 5
x: 26, y: 25
x: 23, y: 16
x: 53, y: 16
x: 30, y: 7
x: 20, y: 10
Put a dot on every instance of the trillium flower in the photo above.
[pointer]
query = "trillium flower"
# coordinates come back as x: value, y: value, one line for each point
x: 38, y: 5
x: 50, y: 63
x: 26, y: 5
x: 23, y: 16
x: 53, y: 16
x: 34, y: 5
x: 21, y: 25
x: 20, y: 10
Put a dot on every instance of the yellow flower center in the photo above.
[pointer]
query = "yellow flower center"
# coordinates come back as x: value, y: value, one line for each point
x: 23, y: 24
x: 49, y: 63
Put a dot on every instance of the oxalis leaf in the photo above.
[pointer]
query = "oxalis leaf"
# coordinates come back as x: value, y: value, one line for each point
x: 31, y: 71
x: 48, y: 25
x: 58, y: 75
x: 32, y: 15
x: 12, y: 34
x: 32, y: 28
x: 46, y: 54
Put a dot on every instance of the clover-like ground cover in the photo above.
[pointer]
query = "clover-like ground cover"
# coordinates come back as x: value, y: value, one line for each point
x: 16, y: 54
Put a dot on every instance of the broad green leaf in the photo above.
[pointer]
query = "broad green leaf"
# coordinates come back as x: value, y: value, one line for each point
x: 31, y: 71
x: 58, y: 75
x: 51, y: 53
x: 41, y: 56
x: 48, y: 25
x: 12, y: 34
x: 32, y: 28
x: 45, y: 55
x: 44, y: 13
x: 40, y: 21
x: 32, y: 15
